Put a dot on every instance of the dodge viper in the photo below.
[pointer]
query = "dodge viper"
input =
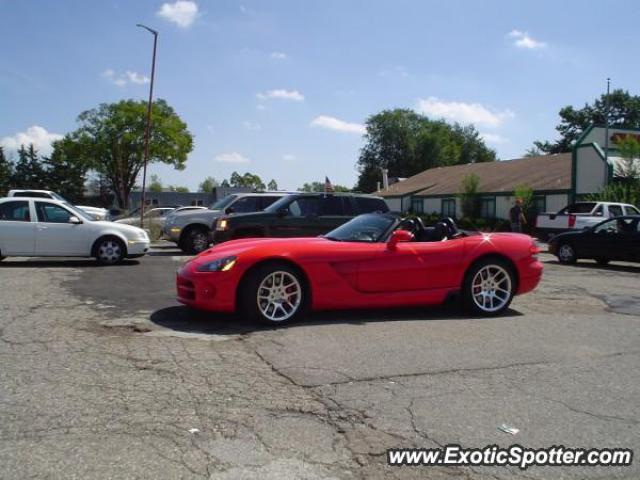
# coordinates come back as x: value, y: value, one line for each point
x: 373, y: 261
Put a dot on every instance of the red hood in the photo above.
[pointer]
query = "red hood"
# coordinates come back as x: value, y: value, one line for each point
x: 236, y: 247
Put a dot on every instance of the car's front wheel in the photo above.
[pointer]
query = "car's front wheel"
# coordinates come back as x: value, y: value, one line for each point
x: 273, y: 294
x: 567, y: 254
x: 489, y: 287
x: 109, y: 251
x: 196, y: 241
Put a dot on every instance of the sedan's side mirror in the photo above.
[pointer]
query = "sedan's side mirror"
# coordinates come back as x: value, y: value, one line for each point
x: 399, y: 236
x: 229, y: 210
x: 75, y: 220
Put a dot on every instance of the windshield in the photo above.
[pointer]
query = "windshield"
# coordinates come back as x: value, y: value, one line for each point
x: 222, y: 203
x: 79, y: 213
x: 368, y: 228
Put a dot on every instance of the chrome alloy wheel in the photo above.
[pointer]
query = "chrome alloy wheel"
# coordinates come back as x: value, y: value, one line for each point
x: 491, y: 288
x: 566, y: 253
x: 279, y: 296
x: 109, y: 252
x: 200, y: 241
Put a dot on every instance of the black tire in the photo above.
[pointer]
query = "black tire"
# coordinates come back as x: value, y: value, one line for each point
x: 195, y: 241
x: 499, y: 291
x: 566, y: 254
x: 109, y: 250
x: 253, y: 309
x: 602, y: 261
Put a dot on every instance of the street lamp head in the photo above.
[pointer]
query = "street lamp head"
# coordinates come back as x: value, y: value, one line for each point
x: 147, y: 28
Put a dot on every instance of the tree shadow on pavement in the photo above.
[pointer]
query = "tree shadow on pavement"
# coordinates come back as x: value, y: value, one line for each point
x: 188, y: 320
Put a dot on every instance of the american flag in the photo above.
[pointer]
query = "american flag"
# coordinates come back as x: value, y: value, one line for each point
x: 328, y: 188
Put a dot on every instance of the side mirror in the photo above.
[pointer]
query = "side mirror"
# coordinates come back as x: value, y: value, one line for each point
x: 283, y: 212
x: 399, y: 236
x: 229, y: 210
x: 75, y: 220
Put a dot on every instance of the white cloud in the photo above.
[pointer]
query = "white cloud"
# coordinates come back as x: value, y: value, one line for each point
x: 289, y: 157
x: 494, y: 138
x: 122, y: 79
x: 232, y: 157
x: 183, y: 12
x: 281, y: 94
x: 279, y: 55
x: 524, y: 40
x: 36, y: 135
x: 252, y: 126
x: 332, y: 123
x: 462, y: 112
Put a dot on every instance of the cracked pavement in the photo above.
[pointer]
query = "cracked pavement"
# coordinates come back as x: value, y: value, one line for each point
x: 105, y: 376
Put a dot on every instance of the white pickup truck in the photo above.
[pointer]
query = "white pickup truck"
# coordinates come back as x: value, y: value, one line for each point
x: 579, y: 215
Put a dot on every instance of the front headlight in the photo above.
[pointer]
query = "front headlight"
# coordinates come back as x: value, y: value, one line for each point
x: 222, y: 224
x: 219, y: 265
x: 142, y: 235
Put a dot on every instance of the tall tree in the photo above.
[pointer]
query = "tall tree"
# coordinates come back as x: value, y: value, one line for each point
x: 629, y: 168
x: 208, y: 184
x: 406, y: 143
x: 247, y: 180
x: 272, y: 185
x: 28, y: 171
x: 6, y: 173
x: 624, y: 112
x: 155, y: 184
x: 65, y: 174
x: 110, y: 140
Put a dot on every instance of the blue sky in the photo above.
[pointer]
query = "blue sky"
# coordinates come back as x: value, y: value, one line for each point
x: 282, y: 88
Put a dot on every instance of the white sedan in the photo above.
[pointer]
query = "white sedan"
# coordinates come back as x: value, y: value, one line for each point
x: 41, y: 227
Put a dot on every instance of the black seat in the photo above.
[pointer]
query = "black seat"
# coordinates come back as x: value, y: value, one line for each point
x: 436, y: 233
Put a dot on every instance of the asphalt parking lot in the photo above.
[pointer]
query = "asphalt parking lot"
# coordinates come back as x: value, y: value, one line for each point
x: 105, y: 375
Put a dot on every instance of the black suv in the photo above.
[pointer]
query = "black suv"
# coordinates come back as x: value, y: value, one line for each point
x: 298, y: 215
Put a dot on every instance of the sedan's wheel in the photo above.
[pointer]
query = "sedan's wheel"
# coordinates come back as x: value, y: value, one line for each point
x: 197, y: 241
x: 489, y: 287
x: 274, y: 294
x: 109, y: 251
x: 567, y: 254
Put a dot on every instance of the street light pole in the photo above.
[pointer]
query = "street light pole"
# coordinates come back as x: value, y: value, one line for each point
x: 606, y: 126
x: 148, y: 126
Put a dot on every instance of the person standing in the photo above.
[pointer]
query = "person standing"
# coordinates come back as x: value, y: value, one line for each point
x: 516, y: 216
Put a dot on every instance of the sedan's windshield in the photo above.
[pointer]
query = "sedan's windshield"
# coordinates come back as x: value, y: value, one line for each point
x: 368, y: 228
x: 223, y: 202
x: 79, y: 213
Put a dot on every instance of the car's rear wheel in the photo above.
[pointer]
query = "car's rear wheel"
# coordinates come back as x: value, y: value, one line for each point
x: 196, y: 241
x: 489, y: 287
x: 567, y: 254
x: 602, y: 261
x: 109, y: 251
x: 274, y: 294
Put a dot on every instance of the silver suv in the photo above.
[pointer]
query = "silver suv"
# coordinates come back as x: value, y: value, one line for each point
x: 190, y: 229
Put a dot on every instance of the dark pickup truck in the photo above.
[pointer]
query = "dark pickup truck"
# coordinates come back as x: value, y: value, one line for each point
x: 298, y: 215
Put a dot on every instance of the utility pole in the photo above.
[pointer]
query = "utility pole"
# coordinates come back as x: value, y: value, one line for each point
x: 606, y: 127
x: 148, y: 126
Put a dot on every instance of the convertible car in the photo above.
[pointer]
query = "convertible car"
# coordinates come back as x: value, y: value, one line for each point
x: 372, y: 261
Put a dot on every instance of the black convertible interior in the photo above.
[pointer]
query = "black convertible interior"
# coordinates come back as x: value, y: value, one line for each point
x: 445, y: 229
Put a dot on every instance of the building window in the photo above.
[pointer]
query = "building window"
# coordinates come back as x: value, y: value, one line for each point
x: 417, y: 206
x: 539, y: 204
x: 449, y: 207
x: 488, y: 207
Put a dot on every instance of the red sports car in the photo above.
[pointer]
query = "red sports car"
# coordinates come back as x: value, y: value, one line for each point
x: 375, y: 260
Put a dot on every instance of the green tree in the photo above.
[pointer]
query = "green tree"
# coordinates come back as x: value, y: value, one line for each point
x: 533, y: 152
x: 623, y: 192
x: 406, y: 143
x: 110, y: 140
x: 629, y: 168
x: 272, y: 185
x: 178, y: 188
x: 319, y: 187
x: 65, y: 174
x: 225, y: 183
x: 247, y: 180
x: 208, y: 184
x: 624, y: 112
x: 28, y: 171
x: 469, y: 196
x: 155, y: 184
x: 6, y: 173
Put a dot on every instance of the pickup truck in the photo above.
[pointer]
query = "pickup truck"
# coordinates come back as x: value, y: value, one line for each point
x: 579, y: 215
